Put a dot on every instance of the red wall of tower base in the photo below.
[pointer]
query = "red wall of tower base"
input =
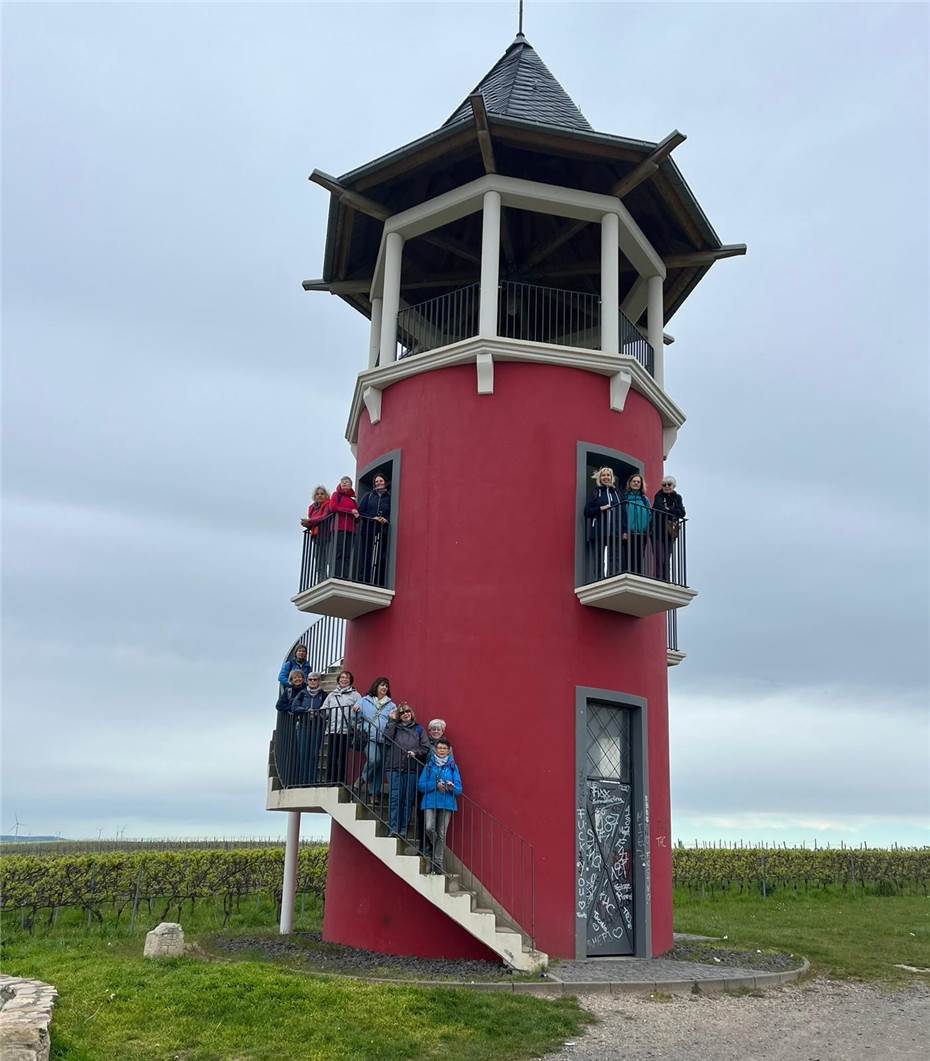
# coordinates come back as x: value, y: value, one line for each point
x: 369, y: 907
x: 485, y: 629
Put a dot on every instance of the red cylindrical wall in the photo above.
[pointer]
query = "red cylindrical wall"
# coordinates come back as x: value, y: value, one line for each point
x: 485, y: 629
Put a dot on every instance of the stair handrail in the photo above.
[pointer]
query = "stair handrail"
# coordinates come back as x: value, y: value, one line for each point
x: 484, y: 854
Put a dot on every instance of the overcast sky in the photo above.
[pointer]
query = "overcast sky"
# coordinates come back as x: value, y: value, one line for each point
x: 171, y: 394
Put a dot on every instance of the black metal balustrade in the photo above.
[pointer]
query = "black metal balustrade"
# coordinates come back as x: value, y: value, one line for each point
x: 672, y: 630
x: 531, y: 312
x: 634, y: 344
x: 340, y: 747
x: 627, y: 538
x: 324, y: 641
x: 438, y: 321
x: 549, y: 315
x: 344, y: 546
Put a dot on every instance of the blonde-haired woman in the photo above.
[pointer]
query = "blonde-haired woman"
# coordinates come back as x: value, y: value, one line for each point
x: 603, y: 526
x: 317, y: 511
x: 635, y: 523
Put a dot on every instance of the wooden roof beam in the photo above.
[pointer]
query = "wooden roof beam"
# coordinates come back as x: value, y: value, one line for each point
x: 568, y: 232
x: 362, y: 287
x: 354, y: 199
x: 694, y: 258
x: 485, y: 143
x: 649, y: 166
x: 362, y: 203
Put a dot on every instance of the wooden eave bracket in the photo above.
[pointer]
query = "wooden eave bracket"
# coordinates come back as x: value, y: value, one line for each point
x: 650, y: 165
x: 485, y: 143
x: 708, y: 257
x: 345, y: 195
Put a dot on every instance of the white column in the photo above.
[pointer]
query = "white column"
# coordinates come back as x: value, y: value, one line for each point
x: 374, y: 339
x: 655, y: 325
x: 289, y: 890
x: 393, y: 257
x: 490, y: 263
x: 610, y: 284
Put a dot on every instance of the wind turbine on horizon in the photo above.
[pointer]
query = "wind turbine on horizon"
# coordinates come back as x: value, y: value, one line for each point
x: 18, y: 824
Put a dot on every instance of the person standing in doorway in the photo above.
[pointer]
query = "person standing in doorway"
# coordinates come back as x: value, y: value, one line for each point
x: 374, y: 518
x: 635, y: 524
x: 668, y: 510
x: 345, y: 505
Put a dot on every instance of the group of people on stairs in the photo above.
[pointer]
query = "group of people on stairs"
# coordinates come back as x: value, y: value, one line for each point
x: 325, y: 734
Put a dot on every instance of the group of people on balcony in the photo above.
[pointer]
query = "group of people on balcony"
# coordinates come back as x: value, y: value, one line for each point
x: 625, y: 532
x: 323, y: 735
x: 347, y: 537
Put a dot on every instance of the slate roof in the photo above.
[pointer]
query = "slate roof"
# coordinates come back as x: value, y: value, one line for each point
x: 519, y: 85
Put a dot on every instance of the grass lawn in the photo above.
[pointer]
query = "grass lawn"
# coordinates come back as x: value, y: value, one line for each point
x: 115, y: 1005
x: 861, y: 938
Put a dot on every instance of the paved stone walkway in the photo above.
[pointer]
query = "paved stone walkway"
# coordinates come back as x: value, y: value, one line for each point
x: 646, y: 970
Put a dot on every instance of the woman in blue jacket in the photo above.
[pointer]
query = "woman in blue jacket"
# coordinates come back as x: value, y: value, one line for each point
x: 297, y: 660
x: 371, y: 716
x: 635, y: 522
x: 440, y: 783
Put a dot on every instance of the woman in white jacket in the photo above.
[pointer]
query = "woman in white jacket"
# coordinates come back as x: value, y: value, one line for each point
x: 337, y: 711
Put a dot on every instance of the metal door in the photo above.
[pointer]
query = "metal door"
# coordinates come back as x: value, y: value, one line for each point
x: 605, y: 835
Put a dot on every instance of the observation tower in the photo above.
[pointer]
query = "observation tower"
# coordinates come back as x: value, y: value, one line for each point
x: 519, y: 269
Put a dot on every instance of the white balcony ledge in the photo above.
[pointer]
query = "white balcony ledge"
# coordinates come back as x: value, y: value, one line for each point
x: 342, y: 599
x: 673, y: 657
x: 634, y: 595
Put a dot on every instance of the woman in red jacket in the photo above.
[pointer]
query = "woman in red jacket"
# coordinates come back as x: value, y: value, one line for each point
x: 320, y: 532
x: 345, y: 506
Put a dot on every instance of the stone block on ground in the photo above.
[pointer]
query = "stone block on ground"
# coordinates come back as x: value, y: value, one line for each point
x: 164, y: 941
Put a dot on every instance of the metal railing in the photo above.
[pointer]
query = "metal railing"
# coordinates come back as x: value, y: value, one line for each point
x: 549, y: 315
x: 531, y: 312
x: 628, y: 538
x: 354, y: 548
x: 672, y: 630
x: 438, y: 321
x: 324, y: 641
x: 480, y: 853
x: 634, y: 344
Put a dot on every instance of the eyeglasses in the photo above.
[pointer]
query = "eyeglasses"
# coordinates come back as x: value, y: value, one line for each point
x: 668, y: 484
x: 406, y: 712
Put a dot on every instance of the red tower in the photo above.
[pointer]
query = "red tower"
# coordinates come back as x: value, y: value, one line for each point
x: 518, y: 268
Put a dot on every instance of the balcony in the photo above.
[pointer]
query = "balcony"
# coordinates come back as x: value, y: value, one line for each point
x: 637, y: 570
x: 530, y: 312
x: 344, y: 569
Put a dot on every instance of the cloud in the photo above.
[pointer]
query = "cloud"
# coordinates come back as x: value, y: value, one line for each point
x: 171, y: 395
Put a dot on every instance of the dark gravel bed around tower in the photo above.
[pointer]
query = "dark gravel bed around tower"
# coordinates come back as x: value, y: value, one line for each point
x: 742, y: 959
x: 307, y: 950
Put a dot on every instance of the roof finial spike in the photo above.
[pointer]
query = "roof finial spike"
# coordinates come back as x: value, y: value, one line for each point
x: 520, y: 21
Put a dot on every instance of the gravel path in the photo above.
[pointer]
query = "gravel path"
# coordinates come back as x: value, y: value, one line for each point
x: 820, y: 1020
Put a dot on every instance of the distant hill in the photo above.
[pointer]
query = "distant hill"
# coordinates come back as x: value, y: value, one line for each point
x: 7, y: 838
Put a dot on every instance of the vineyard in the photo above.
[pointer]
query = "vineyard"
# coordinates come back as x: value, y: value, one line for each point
x: 162, y: 880
x: 122, y: 881
x: 883, y: 871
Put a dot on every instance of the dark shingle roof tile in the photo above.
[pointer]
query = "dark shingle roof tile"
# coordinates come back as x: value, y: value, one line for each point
x: 519, y: 85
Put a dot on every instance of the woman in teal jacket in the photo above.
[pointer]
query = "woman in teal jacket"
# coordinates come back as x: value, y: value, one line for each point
x: 635, y: 521
x: 440, y: 783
